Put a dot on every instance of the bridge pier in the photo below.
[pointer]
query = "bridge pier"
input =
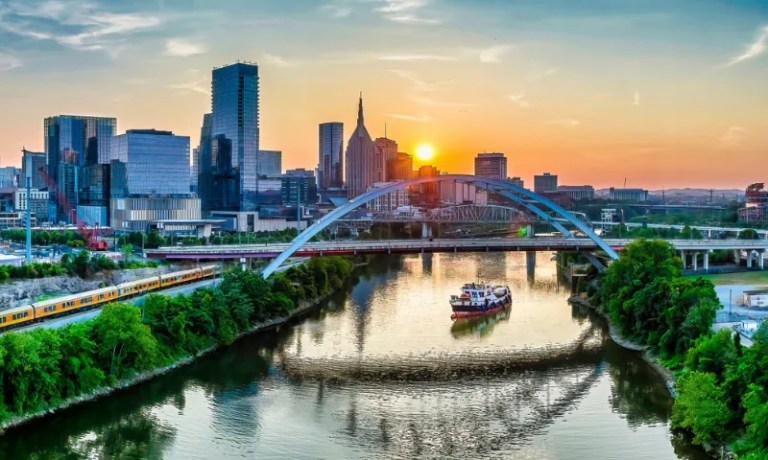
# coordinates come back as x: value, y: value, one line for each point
x: 749, y: 258
x: 761, y: 260
x: 706, y: 261
x: 695, y: 261
x: 530, y: 265
x: 426, y: 230
x: 682, y: 256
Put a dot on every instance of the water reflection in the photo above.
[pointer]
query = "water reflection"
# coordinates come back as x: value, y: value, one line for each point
x: 382, y: 372
x: 478, y: 326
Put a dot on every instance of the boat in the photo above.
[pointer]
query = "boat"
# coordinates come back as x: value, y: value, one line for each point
x: 480, y: 299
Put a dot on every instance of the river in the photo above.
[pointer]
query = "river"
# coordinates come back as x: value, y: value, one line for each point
x: 380, y: 371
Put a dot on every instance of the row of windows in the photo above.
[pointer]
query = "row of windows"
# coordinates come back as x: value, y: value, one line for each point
x: 20, y: 315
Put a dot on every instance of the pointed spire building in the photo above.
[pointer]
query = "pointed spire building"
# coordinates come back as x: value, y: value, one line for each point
x: 360, y: 158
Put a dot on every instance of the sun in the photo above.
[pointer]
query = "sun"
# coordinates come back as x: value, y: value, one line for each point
x: 424, y: 152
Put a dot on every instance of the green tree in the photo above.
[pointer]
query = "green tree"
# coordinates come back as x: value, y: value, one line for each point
x: 748, y: 234
x: 700, y: 407
x: 713, y: 353
x: 755, y: 444
x: 126, y: 344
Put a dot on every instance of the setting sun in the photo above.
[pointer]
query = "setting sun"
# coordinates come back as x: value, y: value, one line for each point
x: 424, y: 152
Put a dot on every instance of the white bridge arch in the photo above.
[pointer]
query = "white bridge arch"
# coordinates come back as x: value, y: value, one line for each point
x: 530, y: 200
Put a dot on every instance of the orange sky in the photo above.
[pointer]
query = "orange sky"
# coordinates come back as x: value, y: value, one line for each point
x: 662, y: 95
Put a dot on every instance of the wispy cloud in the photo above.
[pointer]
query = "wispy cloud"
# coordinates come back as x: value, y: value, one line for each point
x: 636, y: 98
x: 519, y: 100
x: 493, y: 54
x: 733, y: 137
x: 278, y: 61
x: 79, y: 26
x: 416, y: 57
x: 755, y: 49
x: 337, y: 10
x: 540, y: 74
x: 441, y: 103
x: 183, y: 48
x: 8, y: 62
x: 415, y: 118
x: 418, y: 83
x: 405, y: 11
x: 567, y: 122
x: 194, y: 83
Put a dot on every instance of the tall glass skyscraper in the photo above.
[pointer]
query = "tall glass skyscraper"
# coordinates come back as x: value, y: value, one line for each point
x: 75, y: 141
x: 150, y: 179
x: 235, y: 118
x: 330, y: 166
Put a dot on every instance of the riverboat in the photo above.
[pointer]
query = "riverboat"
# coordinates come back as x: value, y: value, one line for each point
x: 479, y: 299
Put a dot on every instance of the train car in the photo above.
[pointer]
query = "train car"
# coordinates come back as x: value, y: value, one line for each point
x: 139, y: 286
x: 184, y: 276
x: 15, y: 316
x: 208, y: 270
x: 74, y: 302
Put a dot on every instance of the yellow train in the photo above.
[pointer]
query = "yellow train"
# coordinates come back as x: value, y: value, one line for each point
x: 68, y: 304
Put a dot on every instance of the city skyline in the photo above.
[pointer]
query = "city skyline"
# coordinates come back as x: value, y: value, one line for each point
x: 597, y: 94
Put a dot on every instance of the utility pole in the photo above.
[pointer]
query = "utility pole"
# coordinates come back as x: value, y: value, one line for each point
x: 28, y: 179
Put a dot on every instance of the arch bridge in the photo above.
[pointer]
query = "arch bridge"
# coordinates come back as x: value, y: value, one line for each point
x: 540, y: 206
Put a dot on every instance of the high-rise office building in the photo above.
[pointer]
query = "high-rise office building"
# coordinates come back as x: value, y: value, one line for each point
x: 400, y: 167
x: 360, y: 158
x: 9, y: 177
x: 299, y: 186
x: 517, y: 181
x: 491, y: 165
x: 150, y: 180
x: 270, y: 163
x: 235, y: 125
x: 545, y: 183
x: 94, y: 193
x: 330, y: 166
x: 386, y: 150
x: 75, y: 141
x: 36, y: 163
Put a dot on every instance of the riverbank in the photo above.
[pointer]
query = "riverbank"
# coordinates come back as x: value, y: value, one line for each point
x: 15, y: 422
x: 644, y: 352
x: 125, y: 346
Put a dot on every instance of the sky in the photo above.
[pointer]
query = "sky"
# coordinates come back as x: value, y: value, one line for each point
x: 662, y: 94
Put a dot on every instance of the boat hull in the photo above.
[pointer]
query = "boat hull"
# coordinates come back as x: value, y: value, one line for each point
x: 461, y: 311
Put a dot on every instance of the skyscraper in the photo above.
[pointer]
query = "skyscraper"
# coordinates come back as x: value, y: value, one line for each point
x: 270, y: 163
x: 543, y: 183
x: 386, y: 150
x: 330, y: 166
x: 36, y: 161
x: 150, y: 179
x: 361, y: 155
x: 491, y: 165
x: 235, y: 118
x: 75, y: 141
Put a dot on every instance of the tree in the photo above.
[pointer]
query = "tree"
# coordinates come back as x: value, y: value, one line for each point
x: 755, y: 402
x: 713, y: 353
x: 126, y: 344
x: 700, y: 407
x: 748, y: 234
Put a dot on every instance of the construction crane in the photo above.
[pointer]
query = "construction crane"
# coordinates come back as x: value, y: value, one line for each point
x: 92, y: 237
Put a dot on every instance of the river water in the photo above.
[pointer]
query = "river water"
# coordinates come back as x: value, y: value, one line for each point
x: 382, y: 372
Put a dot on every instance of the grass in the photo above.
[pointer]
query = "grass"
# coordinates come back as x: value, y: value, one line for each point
x: 753, y: 278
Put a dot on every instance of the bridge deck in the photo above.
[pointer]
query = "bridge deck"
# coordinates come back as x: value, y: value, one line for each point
x: 412, y: 246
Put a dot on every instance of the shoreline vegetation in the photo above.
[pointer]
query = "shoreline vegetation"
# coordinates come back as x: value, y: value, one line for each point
x: 48, y: 370
x: 719, y: 386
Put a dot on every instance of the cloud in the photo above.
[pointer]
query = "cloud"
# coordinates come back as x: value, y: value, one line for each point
x: 567, y: 122
x: 398, y: 6
x: 9, y: 62
x: 198, y: 85
x: 753, y: 50
x: 419, y: 84
x: 277, y: 61
x: 80, y: 26
x: 733, y: 137
x: 416, y: 57
x: 441, y: 103
x: 336, y: 10
x: 183, y: 48
x: 416, y: 118
x: 493, y: 54
x: 404, y: 11
x: 636, y: 98
x: 519, y: 100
